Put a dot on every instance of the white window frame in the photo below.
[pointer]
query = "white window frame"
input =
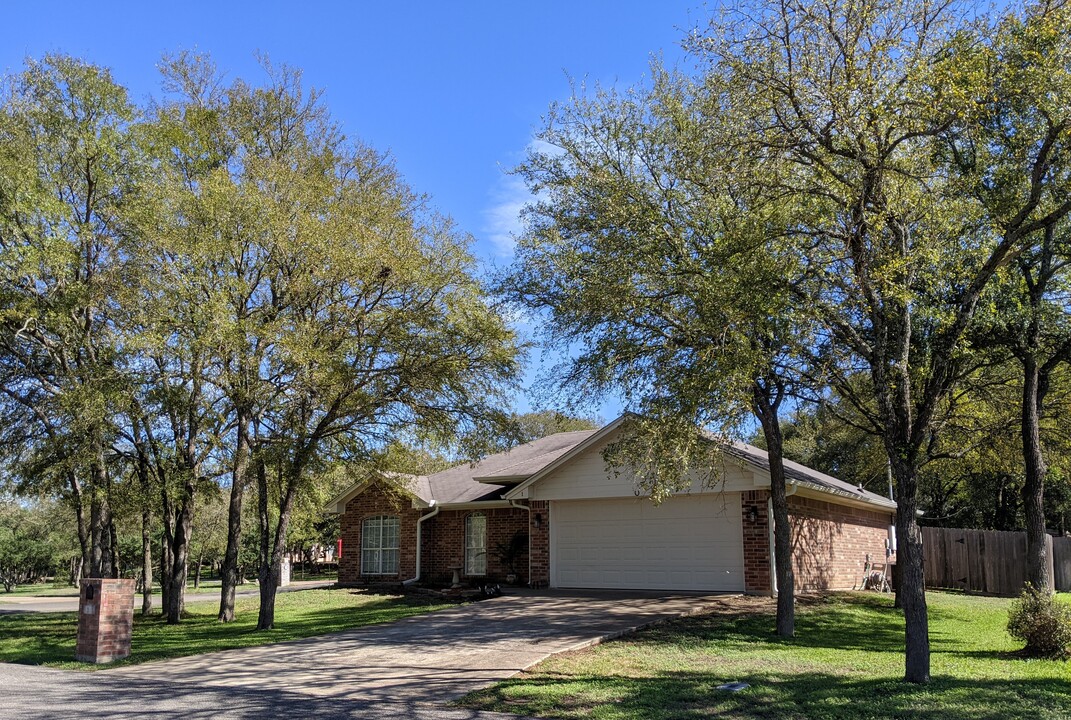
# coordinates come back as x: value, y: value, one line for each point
x: 476, y: 544
x: 379, y: 546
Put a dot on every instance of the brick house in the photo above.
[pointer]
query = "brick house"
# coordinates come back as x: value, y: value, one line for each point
x: 578, y: 524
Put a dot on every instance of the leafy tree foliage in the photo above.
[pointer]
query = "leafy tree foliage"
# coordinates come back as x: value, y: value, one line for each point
x: 31, y: 548
x: 67, y: 166
x: 825, y: 205
x: 218, y: 288
x: 645, y: 249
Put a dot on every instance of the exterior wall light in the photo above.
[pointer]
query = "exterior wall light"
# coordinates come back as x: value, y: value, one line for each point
x: 538, y: 520
x: 752, y: 514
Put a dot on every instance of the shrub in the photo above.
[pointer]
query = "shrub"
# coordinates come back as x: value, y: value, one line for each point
x: 1042, y: 622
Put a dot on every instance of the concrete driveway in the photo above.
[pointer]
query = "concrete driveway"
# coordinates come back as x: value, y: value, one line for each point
x: 408, y: 668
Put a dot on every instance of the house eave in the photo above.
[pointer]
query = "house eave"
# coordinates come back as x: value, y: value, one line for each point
x: 337, y: 505
x: 476, y: 504
x: 501, y: 479
x: 817, y: 492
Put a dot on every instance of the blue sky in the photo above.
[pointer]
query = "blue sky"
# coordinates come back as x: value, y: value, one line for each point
x: 455, y: 91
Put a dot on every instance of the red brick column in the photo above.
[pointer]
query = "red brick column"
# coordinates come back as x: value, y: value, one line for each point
x: 756, y: 542
x: 105, y: 620
x: 539, y: 542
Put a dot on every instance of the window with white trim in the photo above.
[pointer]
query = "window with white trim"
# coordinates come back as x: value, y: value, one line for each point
x: 379, y: 545
x: 476, y: 544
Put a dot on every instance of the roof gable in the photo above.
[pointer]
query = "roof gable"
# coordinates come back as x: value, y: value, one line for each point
x: 508, y: 475
x: 752, y: 456
x: 486, y: 480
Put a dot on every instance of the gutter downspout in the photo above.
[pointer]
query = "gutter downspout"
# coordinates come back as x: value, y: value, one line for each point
x: 419, y: 543
x: 773, y: 560
x: 528, y: 509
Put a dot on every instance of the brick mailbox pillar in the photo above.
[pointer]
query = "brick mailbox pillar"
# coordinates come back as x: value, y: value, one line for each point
x: 105, y: 619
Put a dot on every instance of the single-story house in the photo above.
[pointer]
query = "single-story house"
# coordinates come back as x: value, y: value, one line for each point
x: 579, y: 524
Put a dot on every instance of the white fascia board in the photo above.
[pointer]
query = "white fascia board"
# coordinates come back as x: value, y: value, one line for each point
x: 476, y: 504
x: 337, y: 505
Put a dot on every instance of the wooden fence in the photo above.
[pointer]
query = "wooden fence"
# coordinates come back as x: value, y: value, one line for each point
x: 989, y: 562
x: 1061, y: 560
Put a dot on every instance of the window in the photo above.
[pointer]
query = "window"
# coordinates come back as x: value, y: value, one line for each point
x: 379, y: 545
x: 476, y: 544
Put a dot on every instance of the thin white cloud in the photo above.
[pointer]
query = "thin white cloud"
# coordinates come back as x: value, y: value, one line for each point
x: 502, y: 219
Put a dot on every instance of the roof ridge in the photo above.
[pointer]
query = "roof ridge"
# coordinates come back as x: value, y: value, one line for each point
x: 484, y: 459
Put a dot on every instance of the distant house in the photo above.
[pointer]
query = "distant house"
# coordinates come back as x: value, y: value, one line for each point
x: 581, y: 525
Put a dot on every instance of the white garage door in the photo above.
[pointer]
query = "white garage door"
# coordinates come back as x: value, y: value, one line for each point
x: 686, y: 543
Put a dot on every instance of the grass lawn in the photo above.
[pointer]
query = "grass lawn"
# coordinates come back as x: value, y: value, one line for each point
x: 846, y: 661
x: 49, y: 638
x: 47, y: 589
x: 44, y: 589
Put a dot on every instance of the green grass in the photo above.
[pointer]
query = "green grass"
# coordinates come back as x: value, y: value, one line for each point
x: 40, y: 590
x: 49, y: 638
x: 47, y: 589
x: 846, y: 661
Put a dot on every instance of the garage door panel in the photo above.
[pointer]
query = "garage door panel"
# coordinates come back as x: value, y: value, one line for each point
x: 687, y: 543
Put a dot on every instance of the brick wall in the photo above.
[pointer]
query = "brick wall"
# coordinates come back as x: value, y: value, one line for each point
x: 829, y: 543
x: 756, y: 542
x: 105, y: 620
x: 443, y: 539
x: 540, y: 542
x: 444, y: 544
x: 378, y: 500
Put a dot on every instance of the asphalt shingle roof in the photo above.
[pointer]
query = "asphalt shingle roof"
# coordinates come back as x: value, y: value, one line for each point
x: 458, y: 484
x: 794, y: 472
x: 493, y: 476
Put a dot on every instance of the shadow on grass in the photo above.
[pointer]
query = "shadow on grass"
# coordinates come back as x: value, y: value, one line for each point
x: 49, y: 638
x: 846, y: 623
x: 801, y: 695
x: 858, y: 622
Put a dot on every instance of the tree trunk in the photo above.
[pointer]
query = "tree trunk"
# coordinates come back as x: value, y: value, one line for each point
x: 766, y: 407
x: 197, y: 570
x: 1037, y: 560
x: 100, y: 537
x: 273, y: 545
x: 100, y: 517
x: 83, y: 530
x: 146, y: 523
x: 178, y: 570
x: 146, y: 562
x: 229, y: 570
x: 96, y: 554
x: 165, y: 560
x: 266, y: 573
x: 912, y: 580
x: 113, y: 546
